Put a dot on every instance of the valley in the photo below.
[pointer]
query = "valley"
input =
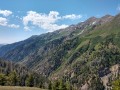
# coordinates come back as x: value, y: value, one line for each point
x: 85, y: 56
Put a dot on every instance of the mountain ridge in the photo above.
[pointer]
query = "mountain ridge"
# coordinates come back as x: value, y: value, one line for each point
x: 86, y: 52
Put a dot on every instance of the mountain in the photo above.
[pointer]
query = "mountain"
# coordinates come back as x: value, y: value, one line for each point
x: 1, y: 45
x: 44, y: 39
x: 87, y: 54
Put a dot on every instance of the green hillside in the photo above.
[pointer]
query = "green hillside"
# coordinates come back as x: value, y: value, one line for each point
x: 81, y: 56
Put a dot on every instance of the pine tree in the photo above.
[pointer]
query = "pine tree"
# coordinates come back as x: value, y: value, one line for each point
x: 68, y: 86
x: 2, y: 79
x: 30, y: 81
x: 13, y: 78
x: 50, y: 86
x: 62, y: 86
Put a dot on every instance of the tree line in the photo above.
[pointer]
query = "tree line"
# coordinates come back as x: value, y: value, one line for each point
x: 16, y: 75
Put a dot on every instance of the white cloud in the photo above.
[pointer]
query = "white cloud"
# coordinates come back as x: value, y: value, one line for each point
x: 72, y: 16
x: 5, y: 12
x: 4, y: 22
x: 18, y: 17
x: 52, y: 27
x: 118, y: 8
x: 46, y: 21
x: 13, y: 26
x: 26, y: 28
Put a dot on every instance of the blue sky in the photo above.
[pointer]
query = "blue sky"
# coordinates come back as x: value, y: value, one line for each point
x: 20, y: 19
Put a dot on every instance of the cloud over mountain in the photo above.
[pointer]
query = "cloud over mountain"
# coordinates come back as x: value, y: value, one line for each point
x: 46, y: 21
x: 72, y: 16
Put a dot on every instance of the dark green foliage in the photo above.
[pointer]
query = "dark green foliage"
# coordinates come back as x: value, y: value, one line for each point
x: 116, y: 85
x: 96, y: 84
x: 13, y: 78
x: 70, y: 53
x: 15, y: 75
x: 95, y: 61
x: 30, y: 81
x: 3, y: 79
x: 50, y: 86
x: 60, y: 85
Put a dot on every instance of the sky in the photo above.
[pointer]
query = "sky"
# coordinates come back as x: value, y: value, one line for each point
x: 20, y: 19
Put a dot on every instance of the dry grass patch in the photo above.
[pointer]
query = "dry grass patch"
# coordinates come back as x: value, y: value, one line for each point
x: 18, y: 88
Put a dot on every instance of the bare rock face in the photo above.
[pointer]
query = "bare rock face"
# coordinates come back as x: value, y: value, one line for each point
x: 115, y: 70
x: 91, y: 22
x: 106, y: 18
x: 114, y: 73
x: 85, y: 87
x: 56, y: 54
x: 106, y: 79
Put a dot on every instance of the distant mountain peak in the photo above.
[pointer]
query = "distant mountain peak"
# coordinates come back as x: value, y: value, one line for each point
x: 91, y: 19
x: 107, y: 16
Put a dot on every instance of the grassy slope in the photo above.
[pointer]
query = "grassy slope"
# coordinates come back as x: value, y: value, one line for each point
x: 18, y: 88
x: 112, y: 27
x: 95, y: 36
